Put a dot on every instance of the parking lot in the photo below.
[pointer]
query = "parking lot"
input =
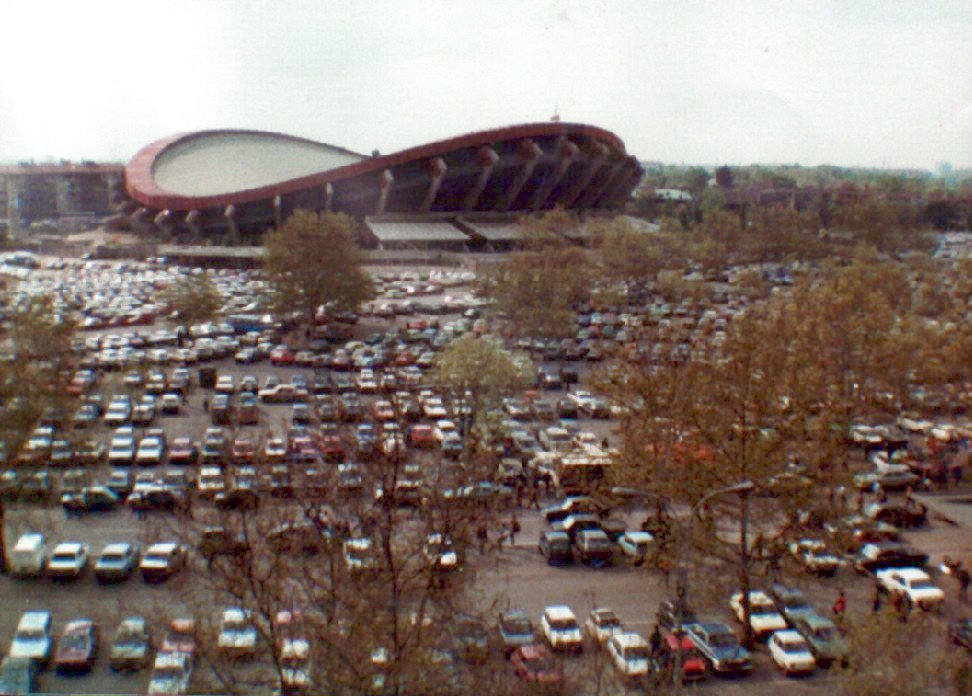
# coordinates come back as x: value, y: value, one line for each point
x: 336, y: 388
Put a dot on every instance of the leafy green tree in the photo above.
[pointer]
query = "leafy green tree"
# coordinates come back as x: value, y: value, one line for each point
x: 535, y: 289
x: 195, y: 298
x: 312, y: 261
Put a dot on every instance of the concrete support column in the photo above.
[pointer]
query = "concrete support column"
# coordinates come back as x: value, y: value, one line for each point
x: 598, y: 154
x: 567, y: 152
x: 277, y: 211
x: 328, y: 198
x: 529, y: 153
x: 387, y: 181
x: 610, y: 173
x: 165, y: 223
x: 194, y: 223
x: 142, y: 221
x: 234, y: 227
x: 437, y: 170
x: 486, y: 158
x: 620, y: 190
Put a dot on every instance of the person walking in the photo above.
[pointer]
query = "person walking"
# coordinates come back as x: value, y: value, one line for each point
x: 655, y: 641
x: 878, y: 598
x: 840, y: 606
x: 964, y: 578
x: 514, y: 529
x: 534, y: 500
x: 482, y: 534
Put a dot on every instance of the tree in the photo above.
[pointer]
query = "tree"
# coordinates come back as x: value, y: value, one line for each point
x: 536, y: 288
x: 479, y: 372
x: 35, y: 367
x: 313, y: 262
x: 883, y: 660
x: 195, y: 298
x: 723, y: 176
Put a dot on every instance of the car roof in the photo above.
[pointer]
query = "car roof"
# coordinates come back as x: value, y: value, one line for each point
x: 630, y: 640
x: 163, y: 547
x: 559, y: 611
x: 34, y: 619
x: 116, y: 547
x: 638, y: 537
x: 907, y: 573
x: 69, y: 547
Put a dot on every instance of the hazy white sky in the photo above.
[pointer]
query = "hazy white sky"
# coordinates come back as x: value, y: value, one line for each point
x: 847, y: 82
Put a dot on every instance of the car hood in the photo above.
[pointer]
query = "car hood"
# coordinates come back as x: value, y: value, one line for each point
x: 29, y: 647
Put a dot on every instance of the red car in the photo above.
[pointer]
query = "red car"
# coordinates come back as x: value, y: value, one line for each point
x: 693, y: 662
x: 420, y: 435
x: 282, y: 355
x: 535, y: 663
x: 78, y: 647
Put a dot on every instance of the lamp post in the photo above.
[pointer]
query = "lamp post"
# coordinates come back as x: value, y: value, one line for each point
x: 742, y: 488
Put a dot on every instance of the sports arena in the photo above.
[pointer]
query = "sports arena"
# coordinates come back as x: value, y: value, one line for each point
x: 232, y: 185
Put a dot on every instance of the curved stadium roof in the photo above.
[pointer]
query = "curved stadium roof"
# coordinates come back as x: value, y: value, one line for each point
x: 239, y: 180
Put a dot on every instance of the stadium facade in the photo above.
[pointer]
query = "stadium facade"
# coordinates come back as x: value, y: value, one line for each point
x: 234, y: 184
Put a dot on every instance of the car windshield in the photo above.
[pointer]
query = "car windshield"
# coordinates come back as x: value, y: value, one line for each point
x: 637, y: 652
x: 563, y: 624
x: 167, y: 673
x: 517, y: 625
x: 73, y: 642
x: 156, y: 558
x: 112, y: 557
x: 722, y: 640
x: 31, y: 634
x: 793, y: 647
x: 922, y: 585
x: 63, y: 558
x: 129, y: 640
x: 762, y: 609
x: 608, y: 621
x: 826, y: 633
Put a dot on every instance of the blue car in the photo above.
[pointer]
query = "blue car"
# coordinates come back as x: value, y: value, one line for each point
x: 721, y: 648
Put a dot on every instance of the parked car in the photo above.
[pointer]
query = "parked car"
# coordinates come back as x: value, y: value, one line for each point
x: 555, y: 547
x: 237, y: 634
x: 790, y: 601
x: 630, y: 655
x: 515, y: 630
x: 131, y: 646
x: 29, y: 556
x: 91, y: 499
x: 791, y: 652
x: 601, y: 624
x: 636, y: 545
x: 77, y: 647
x: 170, y: 674
x: 815, y: 556
x: 763, y: 615
x: 913, y: 585
x: 535, y: 664
x: 909, y: 516
x: 824, y: 638
x: 560, y: 629
x: 33, y: 638
x: 117, y: 562
x: 721, y: 647
x: 694, y: 665
x: 68, y: 561
x: 593, y: 547
x: 161, y: 561
x: 874, y: 557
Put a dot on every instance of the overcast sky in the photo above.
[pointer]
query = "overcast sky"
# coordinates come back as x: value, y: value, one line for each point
x: 847, y: 82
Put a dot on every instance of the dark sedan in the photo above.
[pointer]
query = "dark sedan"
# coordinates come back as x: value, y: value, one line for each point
x: 91, y: 499
x: 77, y: 647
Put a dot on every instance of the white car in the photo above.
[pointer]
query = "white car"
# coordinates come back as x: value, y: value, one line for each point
x: 814, y: 555
x: 635, y: 545
x: 68, y: 561
x: 791, y: 653
x: 225, y: 384
x: 237, y: 634
x: 33, y: 639
x: 560, y: 629
x: 629, y: 652
x: 763, y: 616
x: 912, y: 583
x: 601, y: 624
x: 171, y: 673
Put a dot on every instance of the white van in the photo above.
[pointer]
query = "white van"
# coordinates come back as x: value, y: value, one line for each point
x: 27, y: 557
